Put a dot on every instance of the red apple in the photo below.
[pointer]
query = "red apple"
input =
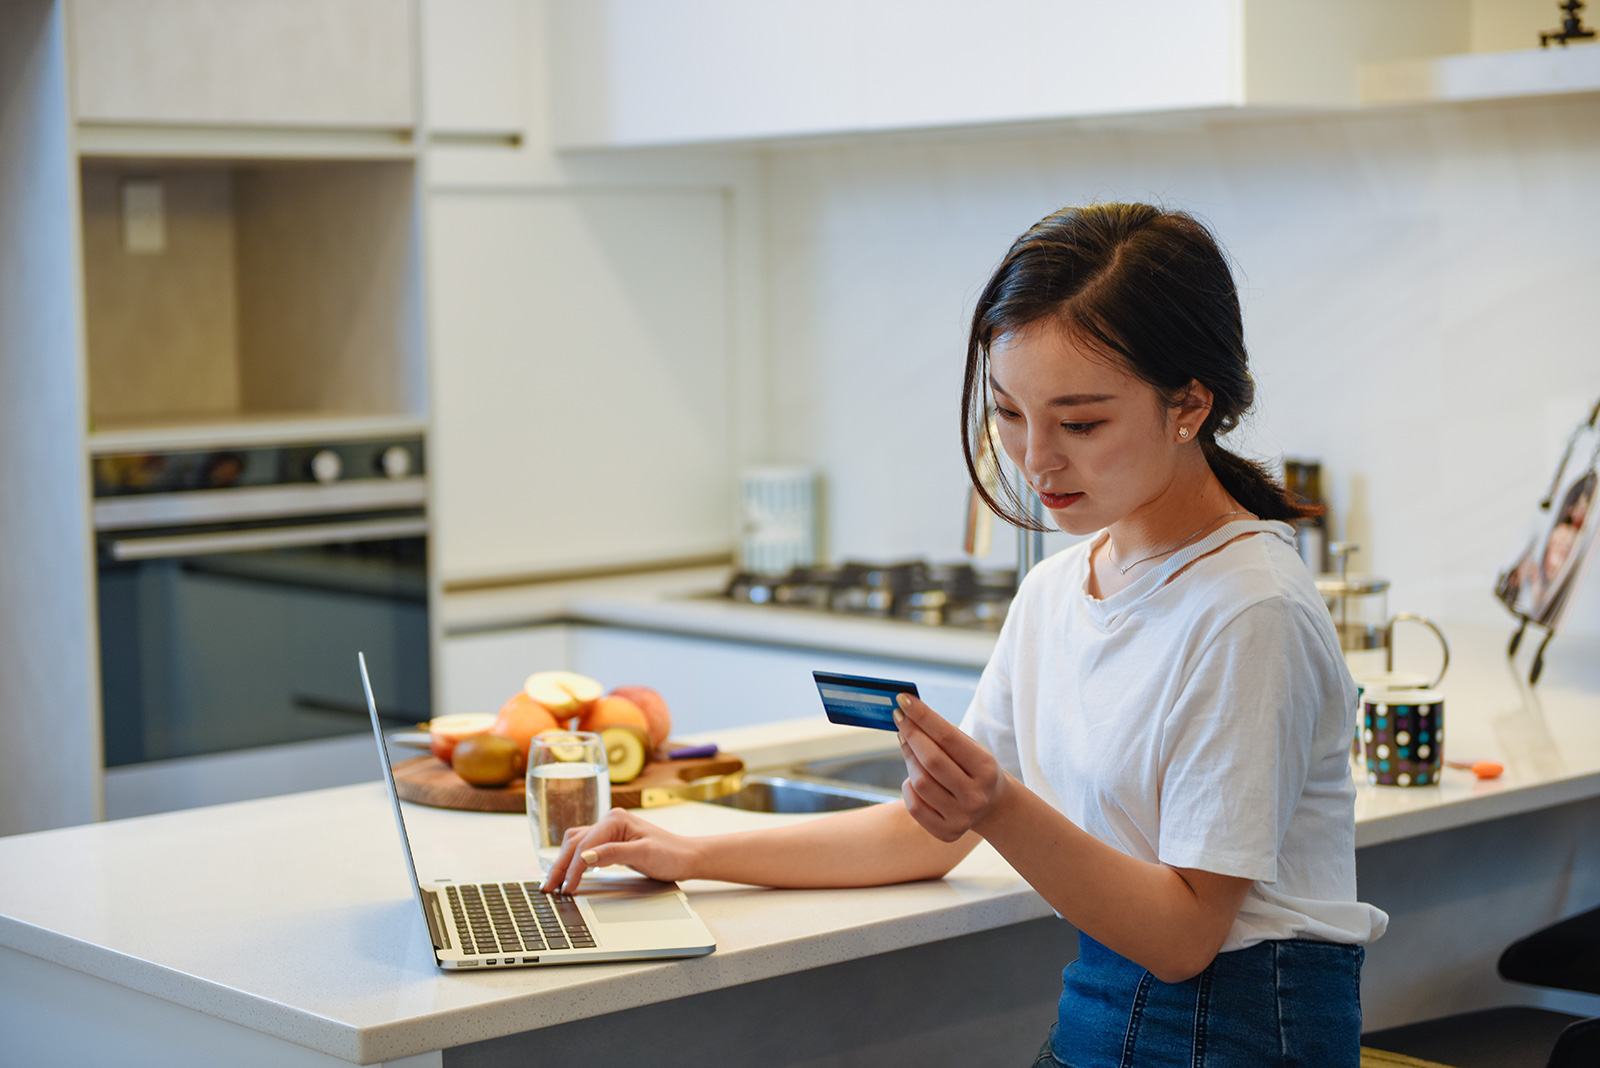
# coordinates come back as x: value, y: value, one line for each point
x: 654, y: 709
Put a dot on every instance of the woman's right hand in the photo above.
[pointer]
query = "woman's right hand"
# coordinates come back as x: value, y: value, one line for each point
x: 621, y: 837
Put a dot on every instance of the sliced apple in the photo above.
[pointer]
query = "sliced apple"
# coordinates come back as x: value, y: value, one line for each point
x: 627, y: 751
x: 445, y: 732
x: 565, y: 693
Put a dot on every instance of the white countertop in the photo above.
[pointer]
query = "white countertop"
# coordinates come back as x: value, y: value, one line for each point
x: 685, y: 602
x: 196, y: 907
x: 532, y: 603
x: 1547, y: 736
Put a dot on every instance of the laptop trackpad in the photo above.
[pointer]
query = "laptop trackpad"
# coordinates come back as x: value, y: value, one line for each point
x: 656, y: 907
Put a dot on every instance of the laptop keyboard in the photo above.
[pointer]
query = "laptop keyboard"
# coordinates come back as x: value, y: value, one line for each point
x: 516, y: 918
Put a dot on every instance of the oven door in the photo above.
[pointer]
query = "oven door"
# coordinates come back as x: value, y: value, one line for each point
x: 236, y: 637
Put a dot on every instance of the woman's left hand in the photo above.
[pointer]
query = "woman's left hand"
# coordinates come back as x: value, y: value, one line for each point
x: 952, y: 782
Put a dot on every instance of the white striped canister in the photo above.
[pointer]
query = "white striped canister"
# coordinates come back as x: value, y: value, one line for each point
x: 779, y: 522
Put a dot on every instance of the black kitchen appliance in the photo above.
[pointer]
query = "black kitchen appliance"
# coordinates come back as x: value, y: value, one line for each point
x: 234, y: 584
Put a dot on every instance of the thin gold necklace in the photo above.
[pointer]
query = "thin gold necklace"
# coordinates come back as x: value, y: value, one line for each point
x: 1111, y: 547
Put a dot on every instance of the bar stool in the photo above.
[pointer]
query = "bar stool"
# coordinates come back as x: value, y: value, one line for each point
x: 1514, y: 1036
x: 1563, y: 956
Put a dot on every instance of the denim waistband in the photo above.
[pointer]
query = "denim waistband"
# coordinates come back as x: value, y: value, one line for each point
x: 1292, y: 1003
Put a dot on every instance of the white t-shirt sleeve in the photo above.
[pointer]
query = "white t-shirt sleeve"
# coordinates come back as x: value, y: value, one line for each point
x: 1237, y: 746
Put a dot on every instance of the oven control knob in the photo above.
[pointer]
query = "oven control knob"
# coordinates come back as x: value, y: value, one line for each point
x: 326, y: 466
x: 395, y: 461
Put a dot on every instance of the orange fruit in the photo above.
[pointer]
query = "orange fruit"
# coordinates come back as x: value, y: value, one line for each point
x: 613, y: 711
x: 520, y: 719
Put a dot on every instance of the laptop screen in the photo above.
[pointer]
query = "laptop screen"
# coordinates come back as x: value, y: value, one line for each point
x: 388, y: 780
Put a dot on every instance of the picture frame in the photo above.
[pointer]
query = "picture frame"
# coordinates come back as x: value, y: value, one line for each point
x: 1536, y: 588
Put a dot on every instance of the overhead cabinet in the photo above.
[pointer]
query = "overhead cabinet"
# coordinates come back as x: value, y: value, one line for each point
x: 287, y: 63
x: 639, y: 72
x: 582, y: 379
x: 472, y: 67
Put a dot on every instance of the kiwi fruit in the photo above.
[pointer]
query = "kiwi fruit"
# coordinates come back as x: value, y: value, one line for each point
x: 627, y: 751
x: 487, y: 760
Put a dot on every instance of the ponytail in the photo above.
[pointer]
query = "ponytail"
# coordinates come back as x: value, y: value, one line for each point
x: 1253, y: 486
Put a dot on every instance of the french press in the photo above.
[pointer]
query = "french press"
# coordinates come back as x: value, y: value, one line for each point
x: 1360, y: 608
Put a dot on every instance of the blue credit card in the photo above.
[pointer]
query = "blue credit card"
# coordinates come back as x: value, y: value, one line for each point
x: 858, y: 701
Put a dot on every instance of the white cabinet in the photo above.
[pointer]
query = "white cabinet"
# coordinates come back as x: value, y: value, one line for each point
x: 581, y: 379
x: 478, y: 672
x: 243, y: 62
x: 472, y: 66
x: 639, y: 72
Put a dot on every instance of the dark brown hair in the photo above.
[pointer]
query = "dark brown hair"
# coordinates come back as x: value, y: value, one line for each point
x: 1145, y: 286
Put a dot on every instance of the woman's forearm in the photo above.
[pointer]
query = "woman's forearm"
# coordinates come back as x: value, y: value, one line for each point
x: 870, y: 846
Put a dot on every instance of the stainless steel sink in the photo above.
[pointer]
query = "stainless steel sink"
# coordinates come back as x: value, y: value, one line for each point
x: 885, y: 771
x: 780, y: 793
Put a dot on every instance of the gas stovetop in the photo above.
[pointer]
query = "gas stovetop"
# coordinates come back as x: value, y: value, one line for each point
x: 954, y: 595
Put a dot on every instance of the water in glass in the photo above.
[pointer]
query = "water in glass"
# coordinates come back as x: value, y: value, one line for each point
x: 568, y: 786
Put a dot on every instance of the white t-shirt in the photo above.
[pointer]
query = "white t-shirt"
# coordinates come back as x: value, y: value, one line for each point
x: 1203, y: 723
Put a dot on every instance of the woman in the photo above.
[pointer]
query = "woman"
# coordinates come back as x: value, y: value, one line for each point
x: 1159, y: 744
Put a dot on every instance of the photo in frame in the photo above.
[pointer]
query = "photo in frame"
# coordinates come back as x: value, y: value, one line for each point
x: 1537, y: 586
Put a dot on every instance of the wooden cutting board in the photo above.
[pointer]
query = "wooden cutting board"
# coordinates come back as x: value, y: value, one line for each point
x: 427, y: 780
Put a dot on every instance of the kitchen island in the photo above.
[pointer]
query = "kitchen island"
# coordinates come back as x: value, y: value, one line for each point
x: 282, y: 931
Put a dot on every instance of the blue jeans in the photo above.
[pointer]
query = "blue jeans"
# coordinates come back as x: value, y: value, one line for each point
x: 1285, y: 1004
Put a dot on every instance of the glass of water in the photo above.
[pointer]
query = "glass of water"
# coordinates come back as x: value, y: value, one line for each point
x: 568, y: 786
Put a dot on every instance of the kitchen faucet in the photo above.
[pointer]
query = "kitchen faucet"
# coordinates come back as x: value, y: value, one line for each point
x: 980, y: 520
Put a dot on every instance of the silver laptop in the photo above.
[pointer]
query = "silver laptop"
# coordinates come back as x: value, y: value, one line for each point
x: 509, y: 923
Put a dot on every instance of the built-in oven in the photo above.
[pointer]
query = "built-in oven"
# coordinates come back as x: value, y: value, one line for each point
x: 235, y: 586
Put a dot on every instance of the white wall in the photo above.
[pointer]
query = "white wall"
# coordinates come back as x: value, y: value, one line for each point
x: 49, y: 690
x: 1418, y: 290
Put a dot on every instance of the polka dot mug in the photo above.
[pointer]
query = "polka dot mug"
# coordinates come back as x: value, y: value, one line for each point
x: 1402, y: 732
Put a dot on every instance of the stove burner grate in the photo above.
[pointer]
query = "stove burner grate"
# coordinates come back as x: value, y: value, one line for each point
x: 956, y: 595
